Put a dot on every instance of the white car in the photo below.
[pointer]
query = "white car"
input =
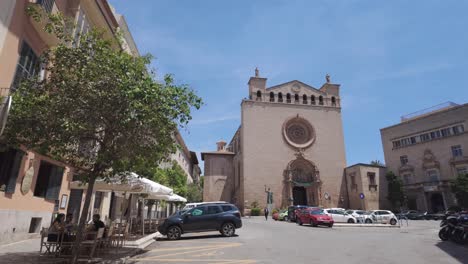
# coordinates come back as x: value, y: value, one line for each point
x: 360, y: 215
x: 339, y: 215
x: 381, y: 216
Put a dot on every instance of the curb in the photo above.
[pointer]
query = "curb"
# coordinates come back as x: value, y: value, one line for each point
x: 366, y: 225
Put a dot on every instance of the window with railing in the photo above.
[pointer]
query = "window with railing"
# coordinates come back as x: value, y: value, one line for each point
x: 457, y: 151
x: 48, y: 5
x: 28, y: 65
x: 372, y: 181
x: 403, y: 160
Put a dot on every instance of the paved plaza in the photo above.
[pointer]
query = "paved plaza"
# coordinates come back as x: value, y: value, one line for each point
x: 280, y: 242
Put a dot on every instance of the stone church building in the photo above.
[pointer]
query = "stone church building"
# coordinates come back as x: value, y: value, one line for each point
x: 290, y: 141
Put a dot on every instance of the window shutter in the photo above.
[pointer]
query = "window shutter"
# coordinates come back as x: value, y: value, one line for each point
x: 10, y: 188
x: 55, y: 182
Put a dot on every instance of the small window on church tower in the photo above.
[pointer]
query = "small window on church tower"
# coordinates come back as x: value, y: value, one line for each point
x: 304, y: 99
x: 280, y: 97
x: 272, y: 97
x: 333, y: 100
x: 296, y: 98
x: 259, y: 95
x: 312, y: 99
x: 320, y: 100
x: 288, y: 98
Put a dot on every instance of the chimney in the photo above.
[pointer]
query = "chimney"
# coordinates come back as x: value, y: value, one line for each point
x: 221, y: 145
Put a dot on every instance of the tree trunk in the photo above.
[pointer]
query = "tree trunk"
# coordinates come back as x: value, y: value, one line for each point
x: 84, y: 213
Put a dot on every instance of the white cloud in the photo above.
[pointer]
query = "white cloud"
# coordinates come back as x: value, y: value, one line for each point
x: 205, y: 121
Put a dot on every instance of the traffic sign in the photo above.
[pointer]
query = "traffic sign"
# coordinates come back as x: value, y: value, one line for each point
x: 361, y: 195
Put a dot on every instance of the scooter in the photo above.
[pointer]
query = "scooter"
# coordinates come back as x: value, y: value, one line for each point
x: 447, y: 227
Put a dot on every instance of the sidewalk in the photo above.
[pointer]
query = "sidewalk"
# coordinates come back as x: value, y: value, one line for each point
x: 27, y: 252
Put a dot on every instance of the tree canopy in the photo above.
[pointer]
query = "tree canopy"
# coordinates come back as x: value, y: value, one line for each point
x: 396, y: 194
x: 460, y: 189
x: 100, y: 110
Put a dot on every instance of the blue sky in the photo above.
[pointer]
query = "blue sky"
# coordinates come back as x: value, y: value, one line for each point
x: 391, y: 57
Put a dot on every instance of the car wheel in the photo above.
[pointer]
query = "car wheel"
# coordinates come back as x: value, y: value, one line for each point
x: 228, y: 229
x: 330, y: 225
x: 174, y: 233
x: 298, y: 221
x: 350, y: 221
x: 285, y: 218
x: 312, y: 223
x: 368, y: 221
x: 393, y: 221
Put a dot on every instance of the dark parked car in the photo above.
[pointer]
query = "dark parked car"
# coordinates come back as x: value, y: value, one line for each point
x: 292, y: 210
x: 435, y: 216
x: 411, y: 215
x: 222, y: 217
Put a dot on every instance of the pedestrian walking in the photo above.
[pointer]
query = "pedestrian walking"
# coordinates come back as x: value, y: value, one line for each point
x: 266, y: 212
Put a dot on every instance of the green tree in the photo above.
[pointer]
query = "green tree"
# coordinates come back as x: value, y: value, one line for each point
x: 377, y: 163
x: 396, y: 194
x: 460, y: 189
x: 102, y: 98
x: 194, y: 193
x: 202, y: 181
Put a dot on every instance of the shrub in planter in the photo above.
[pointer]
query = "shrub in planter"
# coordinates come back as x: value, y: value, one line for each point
x: 275, y: 211
x: 255, y: 212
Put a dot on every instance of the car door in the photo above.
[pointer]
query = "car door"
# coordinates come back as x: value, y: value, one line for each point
x: 385, y: 216
x: 213, y: 217
x: 341, y: 216
x: 195, y: 219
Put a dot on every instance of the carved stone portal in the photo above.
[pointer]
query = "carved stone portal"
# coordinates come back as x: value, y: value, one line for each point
x: 301, y: 183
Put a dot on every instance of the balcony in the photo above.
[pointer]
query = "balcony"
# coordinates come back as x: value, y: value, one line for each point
x: 47, y: 5
x: 373, y: 187
x: 39, y: 22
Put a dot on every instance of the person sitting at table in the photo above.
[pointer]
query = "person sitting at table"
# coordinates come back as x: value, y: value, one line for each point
x: 55, y: 228
x: 96, y: 223
x: 69, y: 225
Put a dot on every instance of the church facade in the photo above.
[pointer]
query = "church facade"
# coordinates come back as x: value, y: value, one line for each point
x: 290, y: 143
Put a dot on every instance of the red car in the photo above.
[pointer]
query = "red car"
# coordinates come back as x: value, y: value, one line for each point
x: 314, y: 217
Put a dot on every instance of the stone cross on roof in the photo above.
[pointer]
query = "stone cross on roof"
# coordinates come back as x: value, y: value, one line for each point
x: 256, y: 72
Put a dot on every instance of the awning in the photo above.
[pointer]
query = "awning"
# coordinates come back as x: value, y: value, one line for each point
x: 130, y: 183
x: 170, y: 198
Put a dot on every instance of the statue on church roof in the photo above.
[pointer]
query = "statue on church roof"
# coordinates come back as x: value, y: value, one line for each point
x: 256, y: 72
x: 327, y: 77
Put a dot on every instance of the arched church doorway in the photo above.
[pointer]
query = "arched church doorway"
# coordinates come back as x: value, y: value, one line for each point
x: 299, y: 195
x: 437, y: 202
x: 301, y: 185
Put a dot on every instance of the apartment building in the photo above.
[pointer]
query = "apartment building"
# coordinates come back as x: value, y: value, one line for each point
x: 427, y: 149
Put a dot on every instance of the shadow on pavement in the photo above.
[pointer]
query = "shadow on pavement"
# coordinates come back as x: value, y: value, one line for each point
x: 103, y: 256
x: 196, y: 237
x: 28, y: 257
x: 458, y: 252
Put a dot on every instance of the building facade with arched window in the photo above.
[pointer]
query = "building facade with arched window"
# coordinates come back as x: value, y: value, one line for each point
x: 294, y: 147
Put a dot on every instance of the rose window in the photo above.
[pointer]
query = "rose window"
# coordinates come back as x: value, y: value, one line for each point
x: 298, y: 132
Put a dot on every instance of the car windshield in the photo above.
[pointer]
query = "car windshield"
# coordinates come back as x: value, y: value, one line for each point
x: 317, y: 212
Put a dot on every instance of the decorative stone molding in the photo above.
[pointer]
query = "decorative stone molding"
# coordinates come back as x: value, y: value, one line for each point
x: 406, y: 168
x: 429, y: 160
x: 459, y: 160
